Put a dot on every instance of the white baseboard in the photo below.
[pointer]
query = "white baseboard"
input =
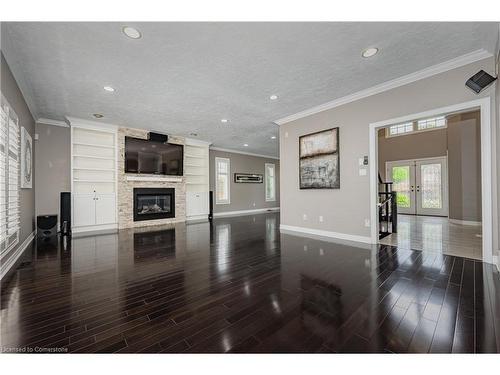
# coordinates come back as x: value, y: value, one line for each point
x: 246, y: 212
x: 94, y: 229
x: 203, y: 217
x: 326, y: 234
x: 465, y: 222
x: 17, y: 253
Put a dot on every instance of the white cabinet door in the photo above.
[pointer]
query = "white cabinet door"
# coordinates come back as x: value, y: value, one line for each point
x: 83, y: 210
x: 105, y: 207
x: 196, y: 203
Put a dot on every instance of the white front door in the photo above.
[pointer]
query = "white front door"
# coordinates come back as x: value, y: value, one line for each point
x: 432, y: 187
x: 421, y: 185
x: 402, y: 175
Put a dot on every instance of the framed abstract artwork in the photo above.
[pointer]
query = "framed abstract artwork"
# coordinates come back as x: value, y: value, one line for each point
x: 26, y: 160
x: 319, y: 160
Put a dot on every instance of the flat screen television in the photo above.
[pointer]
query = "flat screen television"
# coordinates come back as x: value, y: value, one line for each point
x: 149, y: 157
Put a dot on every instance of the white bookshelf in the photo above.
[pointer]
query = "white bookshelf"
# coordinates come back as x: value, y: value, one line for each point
x: 196, y: 173
x: 93, y: 175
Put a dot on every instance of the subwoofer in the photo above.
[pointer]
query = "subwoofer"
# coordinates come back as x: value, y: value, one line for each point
x: 210, y: 205
x: 46, y: 226
x: 65, y: 214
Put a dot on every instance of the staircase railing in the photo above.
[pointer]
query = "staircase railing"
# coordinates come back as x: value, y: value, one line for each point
x: 387, y: 209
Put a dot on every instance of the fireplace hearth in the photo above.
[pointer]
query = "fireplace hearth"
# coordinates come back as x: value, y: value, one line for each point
x: 154, y: 203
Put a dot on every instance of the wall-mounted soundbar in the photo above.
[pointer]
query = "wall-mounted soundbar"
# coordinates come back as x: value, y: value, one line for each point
x: 157, y: 137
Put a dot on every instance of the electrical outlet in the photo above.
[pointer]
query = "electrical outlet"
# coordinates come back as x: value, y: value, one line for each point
x: 305, y: 247
x: 254, y: 204
x: 321, y: 251
x: 367, y: 223
x: 320, y: 219
x: 286, y: 134
x: 304, y: 217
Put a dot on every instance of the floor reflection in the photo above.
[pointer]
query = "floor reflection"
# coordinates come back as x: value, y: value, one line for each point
x: 437, y: 234
x: 239, y: 285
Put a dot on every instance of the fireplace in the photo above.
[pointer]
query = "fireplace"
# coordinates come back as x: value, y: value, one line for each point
x: 154, y: 203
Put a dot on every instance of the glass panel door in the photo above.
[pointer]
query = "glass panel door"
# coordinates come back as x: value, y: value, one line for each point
x: 402, y: 174
x: 431, y: 187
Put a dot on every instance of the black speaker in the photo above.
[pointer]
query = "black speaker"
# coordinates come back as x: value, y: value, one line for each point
x: 65, y: 214
x: 46, y: 226
x: 479, y: 81
x: 210, y: 205
x: 157, y: 137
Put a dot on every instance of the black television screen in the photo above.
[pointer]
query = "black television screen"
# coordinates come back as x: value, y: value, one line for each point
x: 143, y: 156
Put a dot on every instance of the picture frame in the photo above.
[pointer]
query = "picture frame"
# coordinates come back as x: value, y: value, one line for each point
x: 248, y: 178
x: 26, y: 159
x: 319, y: 160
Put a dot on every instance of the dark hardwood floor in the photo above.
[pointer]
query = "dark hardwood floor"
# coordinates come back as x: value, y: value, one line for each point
x: 238, y: 285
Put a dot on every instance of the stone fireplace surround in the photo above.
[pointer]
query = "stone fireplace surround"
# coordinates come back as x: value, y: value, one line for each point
x: 128, y: 181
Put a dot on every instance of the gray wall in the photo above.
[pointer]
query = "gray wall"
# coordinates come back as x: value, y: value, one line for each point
x: 244, y: 196
x: 464, y: 166
x: 412, y: 146
x: 11, y: 92
x: 344, y: 210
x: 52, y: 166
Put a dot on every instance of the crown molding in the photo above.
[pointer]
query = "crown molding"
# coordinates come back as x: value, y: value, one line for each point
x: 74, y: 121
x: 430, y: 71
x: 48, y: 121
x: 196, y: 142
x: 243, y: 153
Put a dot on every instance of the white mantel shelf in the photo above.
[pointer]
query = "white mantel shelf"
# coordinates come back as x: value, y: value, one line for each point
x: 155, y: 178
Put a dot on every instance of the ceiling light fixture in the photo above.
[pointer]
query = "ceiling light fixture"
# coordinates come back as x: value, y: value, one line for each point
x: 98, y: 115
x: 246, y: 145
x: 369, y: 52
x: 109, y: 88
x: 273, y: 97
x: 131, y: 32
x: 224, y: 120
x: 273, y: 137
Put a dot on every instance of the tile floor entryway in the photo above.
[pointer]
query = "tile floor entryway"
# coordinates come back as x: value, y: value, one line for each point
x: 437, y: 234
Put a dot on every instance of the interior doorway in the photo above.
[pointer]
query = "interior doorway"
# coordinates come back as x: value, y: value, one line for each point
x: 442, y: 196
x: 421, y: 185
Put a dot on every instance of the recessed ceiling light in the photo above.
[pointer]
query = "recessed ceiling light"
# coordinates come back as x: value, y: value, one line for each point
x: 369, y: 52
x: 224, y: 120
x: 273, y: 97
x: 273, y: 137
x: 98, y: 115
x: 131, y: 32
x: 109, y: 88
x: 246, y: 145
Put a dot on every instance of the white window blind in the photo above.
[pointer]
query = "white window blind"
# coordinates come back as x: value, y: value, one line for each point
x: 270, y: 183
x: 9, y: 177
x: 222, y: 180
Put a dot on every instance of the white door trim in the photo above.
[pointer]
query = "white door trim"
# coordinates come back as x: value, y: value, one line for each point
x: 486, y: 160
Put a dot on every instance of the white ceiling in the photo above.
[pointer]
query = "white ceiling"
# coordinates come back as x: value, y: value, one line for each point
x: 183, y: 78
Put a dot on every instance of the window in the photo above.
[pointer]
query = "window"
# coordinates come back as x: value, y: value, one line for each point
x: 401, y: 129
x: 416, y: 126
x: 9, y: 177
x: 222, y: 180
x: 431, y: 123
x: 270, y: 183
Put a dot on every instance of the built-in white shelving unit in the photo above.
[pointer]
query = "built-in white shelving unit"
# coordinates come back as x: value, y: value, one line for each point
x: 93, y: 176
x: 196, y: 172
